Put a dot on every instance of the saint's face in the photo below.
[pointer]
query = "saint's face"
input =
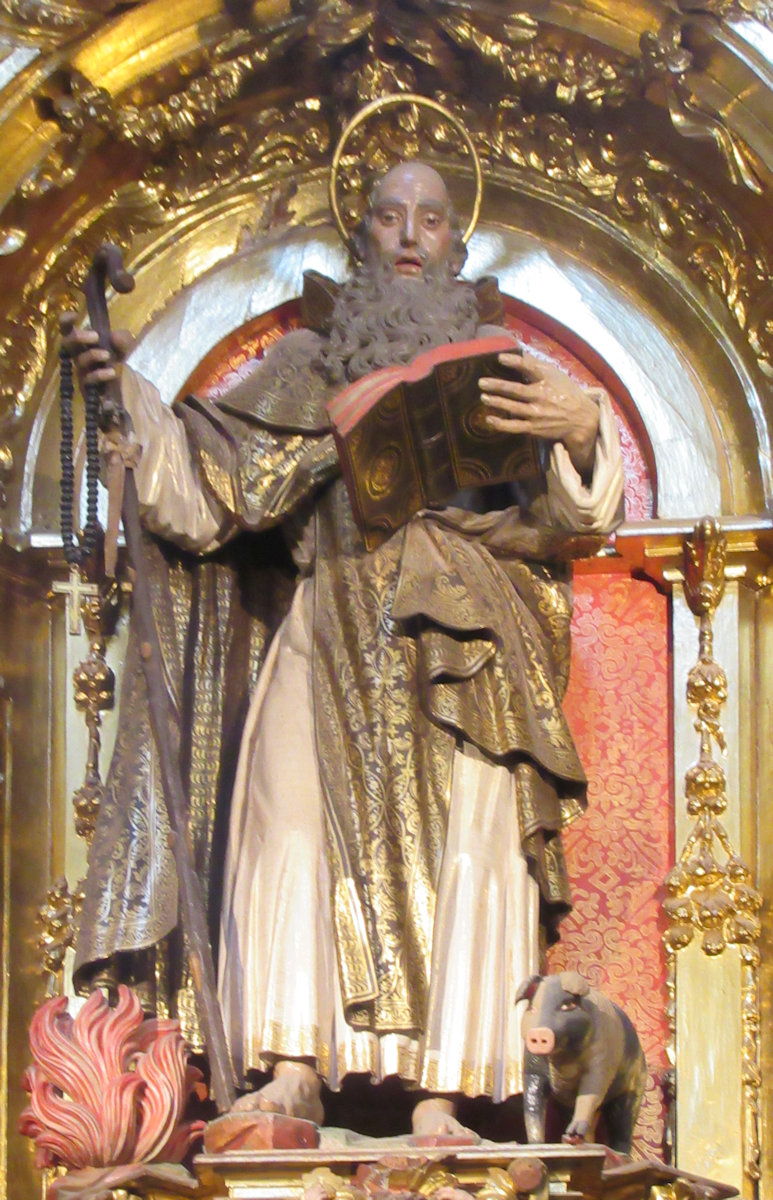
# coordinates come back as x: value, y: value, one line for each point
x: 410, y: 224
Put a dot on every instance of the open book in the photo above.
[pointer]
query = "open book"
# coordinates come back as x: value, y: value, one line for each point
x: 410, y: 437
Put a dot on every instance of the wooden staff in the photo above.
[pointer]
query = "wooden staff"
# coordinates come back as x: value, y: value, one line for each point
x: 108, y: 265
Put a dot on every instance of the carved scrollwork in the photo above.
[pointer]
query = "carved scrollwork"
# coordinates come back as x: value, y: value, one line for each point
x: 412, y: 1177
x: 385, y: 52
x: 564, y: 74
x: 296, y: 135
x: 179, y: 117
x: 546, y: 144
x: 666, y: 56
x: 48, y: 20
x: 366, y: 75
x: 700, y: 236
x: 192, y: 144
x: 732, y: 10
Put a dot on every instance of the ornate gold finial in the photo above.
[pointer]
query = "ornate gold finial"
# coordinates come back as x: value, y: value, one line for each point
x: 395, y: 152
x: 705, y: 554
x: 58, y: 915
x: 710, y: 889
x: 94, y: 692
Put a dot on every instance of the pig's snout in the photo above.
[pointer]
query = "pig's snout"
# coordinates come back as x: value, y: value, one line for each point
x: 540, y: 1040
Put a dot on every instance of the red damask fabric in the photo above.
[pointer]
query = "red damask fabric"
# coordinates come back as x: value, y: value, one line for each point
x: 621, y: 850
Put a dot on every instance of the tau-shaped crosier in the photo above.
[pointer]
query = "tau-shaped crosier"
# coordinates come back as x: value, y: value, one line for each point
x: 583, y: 1050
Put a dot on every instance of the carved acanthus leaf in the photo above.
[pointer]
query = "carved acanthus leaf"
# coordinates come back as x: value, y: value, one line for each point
x: 699, y: 235
x: 388, y: 42
x: 297, y: 135
x: 179, y: 117
x: 365, y: 77
x: 565, y: 72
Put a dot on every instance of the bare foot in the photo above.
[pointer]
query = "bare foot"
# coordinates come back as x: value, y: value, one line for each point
x: 294, y: 1091
x: 435, y: 1117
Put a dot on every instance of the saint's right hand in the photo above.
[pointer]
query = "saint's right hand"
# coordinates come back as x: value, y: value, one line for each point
x: 93, y: 364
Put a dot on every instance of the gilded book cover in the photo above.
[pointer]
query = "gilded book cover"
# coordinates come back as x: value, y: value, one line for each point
x: 410, y: 437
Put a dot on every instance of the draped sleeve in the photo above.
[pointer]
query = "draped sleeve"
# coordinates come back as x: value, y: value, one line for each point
x: 246, y: 461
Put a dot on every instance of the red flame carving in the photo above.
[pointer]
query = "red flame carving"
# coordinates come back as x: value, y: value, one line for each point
x: 107, y: 1087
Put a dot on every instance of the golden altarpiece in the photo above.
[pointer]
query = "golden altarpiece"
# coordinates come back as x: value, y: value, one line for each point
x: 627, y: 151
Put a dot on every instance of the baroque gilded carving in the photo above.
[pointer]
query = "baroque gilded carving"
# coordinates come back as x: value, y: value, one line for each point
x: 687, y: 222
x: 178, y: 117
x: 450, y: 42
x: 539, y: 88
x: 191, y: 174
x: 58, y: 918
x: 667, y: 57
x: 49, y: 20
x: 407, y: 1177
x: 94, y: 693
x: 732, y: 10
x: 28, y: 330
x: 634, y: 186
x: 297, y: 134
x: 414, y: 1177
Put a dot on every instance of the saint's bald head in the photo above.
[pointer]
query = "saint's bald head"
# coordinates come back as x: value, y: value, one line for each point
x: 411, y: 223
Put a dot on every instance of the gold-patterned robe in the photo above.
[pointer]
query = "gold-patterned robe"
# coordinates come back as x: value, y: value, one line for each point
x: 455, y: 632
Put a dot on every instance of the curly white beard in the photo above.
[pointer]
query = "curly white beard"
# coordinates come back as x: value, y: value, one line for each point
x: 380, y: 319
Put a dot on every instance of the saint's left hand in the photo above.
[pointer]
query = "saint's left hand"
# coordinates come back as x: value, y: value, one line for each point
x: 548, y: 405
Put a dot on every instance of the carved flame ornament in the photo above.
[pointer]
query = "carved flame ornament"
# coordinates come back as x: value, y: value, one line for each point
x: 107, y: 1088
x: 710, y: 891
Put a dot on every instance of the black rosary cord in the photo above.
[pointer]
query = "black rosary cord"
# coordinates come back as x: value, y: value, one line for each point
x: 75, y: 553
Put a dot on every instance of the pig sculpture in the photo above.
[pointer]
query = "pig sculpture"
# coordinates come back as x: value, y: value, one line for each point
x: 582, y: 1049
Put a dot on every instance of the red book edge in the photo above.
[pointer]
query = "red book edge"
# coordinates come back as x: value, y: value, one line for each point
x: 343, y: 408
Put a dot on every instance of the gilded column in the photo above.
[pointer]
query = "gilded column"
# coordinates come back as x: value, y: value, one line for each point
x: 712, y: 905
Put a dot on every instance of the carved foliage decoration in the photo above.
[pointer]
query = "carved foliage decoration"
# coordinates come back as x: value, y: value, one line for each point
x: 50, y: 20
x: 686, y: 222
x: 666, y: 56
x: 733, y: 10
x: 190, y: 174
x: 107, y: 1087
x: 385, y: 45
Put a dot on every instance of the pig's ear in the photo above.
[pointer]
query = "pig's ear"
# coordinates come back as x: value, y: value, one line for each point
x: 574, y: 984
x: 528, y: 988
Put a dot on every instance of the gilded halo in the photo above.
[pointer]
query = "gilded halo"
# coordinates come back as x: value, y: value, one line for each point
x: 371, y: 110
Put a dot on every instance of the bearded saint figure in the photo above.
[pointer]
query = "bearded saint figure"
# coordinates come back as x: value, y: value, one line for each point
x: 405, y: 765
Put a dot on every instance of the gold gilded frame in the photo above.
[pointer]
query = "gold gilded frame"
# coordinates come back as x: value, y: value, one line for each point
x: 632, y: 144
